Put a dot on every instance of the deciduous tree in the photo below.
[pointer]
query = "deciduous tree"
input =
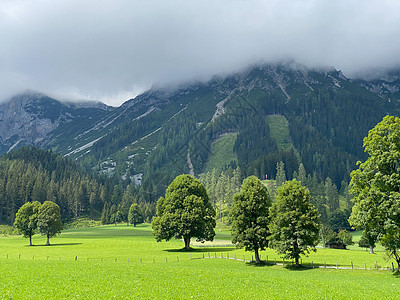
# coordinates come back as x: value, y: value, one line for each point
x: 294, y: 223
x: 49, y: 220
x: 250, y: 216
x: 376, y: 186
x: 26, y: 219
x: 184, y: 212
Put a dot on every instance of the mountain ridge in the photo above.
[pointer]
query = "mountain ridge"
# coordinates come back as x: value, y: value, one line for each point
x: 158, y: 132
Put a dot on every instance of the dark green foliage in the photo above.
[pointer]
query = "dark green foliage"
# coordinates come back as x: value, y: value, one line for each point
x: 49, y: 220
x: 135, y: 216
x: 250, y: 216
x: 338, y: 240
x: 294, y: 223
x: 376, y: 184
x: 184, y: 212
x: 368, y: 240
x: 26, y: 219
x: 339, y: 220
x: 280, y: 173
x: 30, y: 174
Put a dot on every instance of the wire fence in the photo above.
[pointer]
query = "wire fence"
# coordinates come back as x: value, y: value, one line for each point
x: 209, y: 255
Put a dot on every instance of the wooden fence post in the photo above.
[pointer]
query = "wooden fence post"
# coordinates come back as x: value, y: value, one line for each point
x: 352, y: 265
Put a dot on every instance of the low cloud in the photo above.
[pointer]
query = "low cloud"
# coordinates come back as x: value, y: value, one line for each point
x: 112, y: 50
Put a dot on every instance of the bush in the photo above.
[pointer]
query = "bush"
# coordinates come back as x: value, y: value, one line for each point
x: 8, y: 230
x: 82, y: 223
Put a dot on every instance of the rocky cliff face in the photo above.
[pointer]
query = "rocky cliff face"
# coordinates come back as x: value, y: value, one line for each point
x: 387, y: 85
x: 27, y: 119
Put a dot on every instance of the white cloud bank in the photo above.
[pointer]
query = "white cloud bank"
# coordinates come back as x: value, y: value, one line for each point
x: 111, y: 50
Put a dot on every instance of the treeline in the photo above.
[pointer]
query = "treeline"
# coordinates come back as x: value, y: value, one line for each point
x: 220, y: 187
x: 333, y: 204
x: 31, y: 174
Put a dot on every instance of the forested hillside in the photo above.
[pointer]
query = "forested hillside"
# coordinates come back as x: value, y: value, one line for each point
x: 256, y: 119
x: 31, y: 174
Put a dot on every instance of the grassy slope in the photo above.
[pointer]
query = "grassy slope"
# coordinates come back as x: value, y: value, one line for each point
x: 222, y: 152
x: 279, y: 130
x: 97, y: 273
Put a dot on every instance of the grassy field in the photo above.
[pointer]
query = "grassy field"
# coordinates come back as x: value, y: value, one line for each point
x: 222, y: 152
x: 120, y: 262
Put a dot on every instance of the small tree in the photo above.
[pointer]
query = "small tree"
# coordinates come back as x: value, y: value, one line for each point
x: 294, y: 223
x: 184, y: 212
x: 26, y: 219
x: 368, y: 240
x: 250, y: 216
x: 135, y: 216
x: 49, y: 220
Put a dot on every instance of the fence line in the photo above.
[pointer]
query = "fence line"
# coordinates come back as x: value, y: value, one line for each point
x: 208, y: 255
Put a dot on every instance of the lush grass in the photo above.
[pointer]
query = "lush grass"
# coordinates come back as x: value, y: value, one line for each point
x: 279, y: 130
x: 222, y: 152
x: 102, y: 269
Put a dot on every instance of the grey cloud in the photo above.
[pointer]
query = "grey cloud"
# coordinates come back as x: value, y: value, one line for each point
x: 111, y: 50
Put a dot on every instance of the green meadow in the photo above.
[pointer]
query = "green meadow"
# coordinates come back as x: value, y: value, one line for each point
x: 119, y: 262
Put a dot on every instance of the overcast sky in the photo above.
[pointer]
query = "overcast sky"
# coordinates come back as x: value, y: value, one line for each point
x: 112, y: 50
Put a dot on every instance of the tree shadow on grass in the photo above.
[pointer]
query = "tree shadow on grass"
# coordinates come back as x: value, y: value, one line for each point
x: 203, y: 250
x: 270, y: 264
x: 60, y: 244
x: 262, y: 264
x: 298, y: 268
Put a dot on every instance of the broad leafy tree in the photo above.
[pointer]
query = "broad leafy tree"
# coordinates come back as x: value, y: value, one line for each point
x: 135, y: 217
x: 26, y: 219
x: 184, y: 212
x: 376, y: 186
x: 294, y: 223
x: 250, y: 216
x: 49, y: 220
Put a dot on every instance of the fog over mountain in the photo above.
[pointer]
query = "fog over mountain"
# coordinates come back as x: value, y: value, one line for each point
x: 113, y: 50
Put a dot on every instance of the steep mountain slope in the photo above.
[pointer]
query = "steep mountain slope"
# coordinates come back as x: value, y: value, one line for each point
x: 328, y: 115
x: 386, y: 85
x: 165, y: 132
x: 29, y: 119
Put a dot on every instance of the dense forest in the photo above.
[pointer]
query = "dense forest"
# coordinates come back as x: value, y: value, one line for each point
x: 31, y: 174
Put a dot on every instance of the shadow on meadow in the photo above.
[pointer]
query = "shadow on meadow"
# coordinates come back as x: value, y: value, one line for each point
x: 270, y: 264
x: 59, y: 244
x: 203, y: 250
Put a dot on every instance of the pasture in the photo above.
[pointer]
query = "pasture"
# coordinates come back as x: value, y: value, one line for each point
x: 117, y: 262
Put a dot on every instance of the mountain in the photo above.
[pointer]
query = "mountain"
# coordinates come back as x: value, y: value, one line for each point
x: 253, y: 119
x: 386, y: 85
x: 30, y: 118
